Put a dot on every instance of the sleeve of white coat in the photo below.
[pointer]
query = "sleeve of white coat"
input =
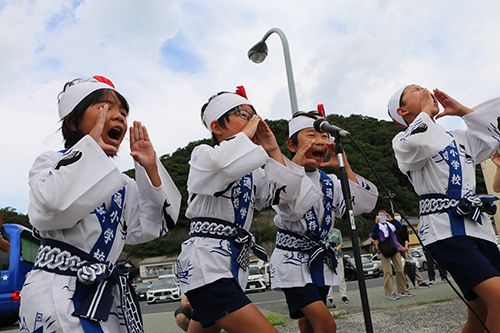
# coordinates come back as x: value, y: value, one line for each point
x: 280, y: 183
x: 483, y: 131
x: 157, y: 208
x: 364, y: 195
x: 421, y: 140
x: 64, y: 188
x: 214, y: 169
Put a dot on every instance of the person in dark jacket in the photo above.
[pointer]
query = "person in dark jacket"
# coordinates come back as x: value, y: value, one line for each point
x: 384, y: 228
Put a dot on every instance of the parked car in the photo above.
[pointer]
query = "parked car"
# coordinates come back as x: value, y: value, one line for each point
x: 420, y: 258
x: 164, y: 289
x: 369, y: 268
x: 142, y: 290
x: 368, y: 256
x: 256, y: 280
x: 376, y: 260
x: 14, y: 265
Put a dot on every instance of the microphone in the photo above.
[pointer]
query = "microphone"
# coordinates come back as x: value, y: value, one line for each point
x: 321, y: 125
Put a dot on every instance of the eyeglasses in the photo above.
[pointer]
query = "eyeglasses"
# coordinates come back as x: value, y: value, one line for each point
x: 244, y: 114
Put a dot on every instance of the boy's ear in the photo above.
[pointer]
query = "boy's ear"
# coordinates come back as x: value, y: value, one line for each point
x: 214, y: 126
x: 291, y: 146
x: 402, y: 112
x: 71, y: 119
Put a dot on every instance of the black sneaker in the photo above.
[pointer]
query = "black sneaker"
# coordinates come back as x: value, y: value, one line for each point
x: 345, y: 300
x: 424, y: 285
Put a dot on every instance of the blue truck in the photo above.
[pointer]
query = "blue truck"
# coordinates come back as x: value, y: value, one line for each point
x: 14, y: 265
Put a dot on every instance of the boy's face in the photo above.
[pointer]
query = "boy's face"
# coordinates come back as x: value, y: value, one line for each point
x: 115, y: 126
x: 317, y: 152
x: 412, y: 102
x: 236, y: 122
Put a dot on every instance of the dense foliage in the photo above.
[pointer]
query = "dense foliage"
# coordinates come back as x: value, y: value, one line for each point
x: 11, y: 216
x: 374, y: 138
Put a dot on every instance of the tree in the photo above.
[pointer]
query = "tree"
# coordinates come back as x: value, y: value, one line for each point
x: 11, y: 216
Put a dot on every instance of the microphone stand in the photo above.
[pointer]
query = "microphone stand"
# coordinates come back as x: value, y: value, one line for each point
x: 344, y: 180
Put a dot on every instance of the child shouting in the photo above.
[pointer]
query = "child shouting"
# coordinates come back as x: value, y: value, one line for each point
x: 441, y: 165
x: 86, y: 210
x: 225, y: 184
x: 303, y: 263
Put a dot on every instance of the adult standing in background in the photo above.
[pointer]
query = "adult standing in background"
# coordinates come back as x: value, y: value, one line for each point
x: 385, y: 228
x: 403, y: 240
x: 335, y: 236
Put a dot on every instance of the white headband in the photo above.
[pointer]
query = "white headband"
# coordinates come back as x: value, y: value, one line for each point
x: 74, y: 94
x: 393, y: 106
x: 299, y: 123
x: 220, y: 105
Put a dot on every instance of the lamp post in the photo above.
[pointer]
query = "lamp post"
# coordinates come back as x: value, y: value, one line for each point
x: 390, y: 196
x: 258, y: 54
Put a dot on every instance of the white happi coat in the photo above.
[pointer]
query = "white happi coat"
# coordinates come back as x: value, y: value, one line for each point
x: 419, y: 152
x: 289, y: 268
x: 62, y: 197
x: 212, y: 169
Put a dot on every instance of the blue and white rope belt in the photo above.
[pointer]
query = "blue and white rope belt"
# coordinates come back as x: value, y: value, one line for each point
x: 322, y: 250
x: 61, y: 258
x: 220, y: 229
x: 471, y: 206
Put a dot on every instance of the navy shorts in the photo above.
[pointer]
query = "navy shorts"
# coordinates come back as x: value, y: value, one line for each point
x: 212, y: 301
x: 469, y: 260
x: 300, y: 297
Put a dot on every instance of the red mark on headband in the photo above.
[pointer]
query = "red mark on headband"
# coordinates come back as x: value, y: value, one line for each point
x: 104, y: 80
x: 321, y: 110
x: 240, y: 90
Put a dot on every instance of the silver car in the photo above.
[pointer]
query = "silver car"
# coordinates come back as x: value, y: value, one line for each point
x: 256, y: 280
x: 419, y: 256
x: 164, y: 289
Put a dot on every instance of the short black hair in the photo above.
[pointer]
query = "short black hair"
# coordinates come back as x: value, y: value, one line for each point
x: 72, y: 136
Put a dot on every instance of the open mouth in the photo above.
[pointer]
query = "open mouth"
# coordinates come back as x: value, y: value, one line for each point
x: 115, y: 133
x: 318, y: 154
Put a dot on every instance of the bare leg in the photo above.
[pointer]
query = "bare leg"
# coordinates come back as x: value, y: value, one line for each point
x: 318, y: 319
x: 248, y: 319
x: 489, y: 293
x: 472, y: 324
x: 195, y: 327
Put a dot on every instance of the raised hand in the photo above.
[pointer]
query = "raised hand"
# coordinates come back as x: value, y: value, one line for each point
x: 427, y: 103
x: 265, y: 138
x: 96, y: 132
x: 333, y: 161
x: 451, y: 106
x: 140, y: 146
x: 300, y: 156
x: 251, y: 127
x: 141, y: 149
x: 496, y: 159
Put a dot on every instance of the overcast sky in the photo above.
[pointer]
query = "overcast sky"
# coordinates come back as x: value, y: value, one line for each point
x: 167, y: 57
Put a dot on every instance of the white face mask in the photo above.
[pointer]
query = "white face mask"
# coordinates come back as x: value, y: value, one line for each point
x: 397, y: 218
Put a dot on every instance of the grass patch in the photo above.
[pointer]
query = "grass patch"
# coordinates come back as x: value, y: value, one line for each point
x: 275, y: 319
x: 337, y: 315
x: 439, y: 300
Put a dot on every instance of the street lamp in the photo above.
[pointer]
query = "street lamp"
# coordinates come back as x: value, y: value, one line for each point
x: 258, y: 54
x: 390, y: 196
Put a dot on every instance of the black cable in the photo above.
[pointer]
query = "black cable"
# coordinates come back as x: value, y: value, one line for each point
x: 414, y: 231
